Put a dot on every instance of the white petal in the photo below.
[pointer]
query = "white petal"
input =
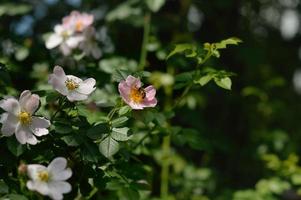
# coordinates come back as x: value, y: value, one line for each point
x: 10, y: 105
x: 59, y: 187
x: 73, y: 42
x: 31, y: 104
x: 65, y: 49
x: 56, y: 196
x: 33, y: 170
x: 58, y: 84
x: 9, y: 125
x: 135, y: 106
x: 24, y: 135
x: 87, y: 86
x: 24, y: 96
x: 75, y: 96
x: 59, y: 71
x: 53, y: 41
x: 62, y: 175
x: 57, y: 165
x: 3, y: 117
x: 39, y: 186
x: 39, y: 125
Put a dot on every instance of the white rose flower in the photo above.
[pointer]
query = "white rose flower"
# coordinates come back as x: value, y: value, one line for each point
x: 64, y: 38
x: 19, y: 118
x: 51, y: 180
x: 74, y: 88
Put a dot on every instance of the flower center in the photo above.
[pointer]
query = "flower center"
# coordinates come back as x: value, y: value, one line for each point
x: 24, y: 118
x: 65, y: 34
x: 79, y: 26
x: 71, y: 84
x: 43, y: 176
x: 137, y: 95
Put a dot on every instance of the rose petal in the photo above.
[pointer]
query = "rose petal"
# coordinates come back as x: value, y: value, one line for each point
x: 132, y: 81
x: 87, y: 86
x: 62, y: 175
x: 54, y: 40
x: 33, y: 170
x: 149, y: 103
x: 57, y: 165
x: 58, y: 84
x: 9, y: 125
x: 150, y: 92
x: 31, y: 104
x: 24, y: 135
x: 39, y: 126
x: 75, y: 96
x: 59, y: 187
x: 124, y: 91
x: 10, y: 105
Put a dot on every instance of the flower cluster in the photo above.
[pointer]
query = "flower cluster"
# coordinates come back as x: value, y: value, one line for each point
x: 75, y: 32
x: 19, y: 119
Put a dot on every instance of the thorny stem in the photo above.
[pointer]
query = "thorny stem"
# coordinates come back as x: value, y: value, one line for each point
x: 146, y: 32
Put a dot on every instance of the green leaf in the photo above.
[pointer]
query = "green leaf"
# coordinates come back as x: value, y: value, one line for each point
x: 73, y: 140
x: 62, y: 128
x: 155, y: 5
x: 90, y: 152
x: 120, y: 134
x: 204, y: 79
x: 223, y: 82
x: 12, y: 9
x: 13, y: 197
x: 180, y: 48
x: 15, y: 147
x: 3, y: 187
x: 230, y: 41
x: 129, y: 193
x: 119, y: 75
x: 119, y: 121
x: 124, y: 110
x: 96, y: 132
x: 108, y: 147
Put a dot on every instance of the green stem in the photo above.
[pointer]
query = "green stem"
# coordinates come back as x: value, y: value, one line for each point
x: 92, y: 193
x: 166, y: 143
x: 146, y: 32
x: 165, y: 167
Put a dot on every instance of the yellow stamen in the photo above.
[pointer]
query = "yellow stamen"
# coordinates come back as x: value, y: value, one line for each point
x: 137, y: 95
x: 71, y: 85
x: 24, y: 118
x: 43, y: 176
x: 79, y: 26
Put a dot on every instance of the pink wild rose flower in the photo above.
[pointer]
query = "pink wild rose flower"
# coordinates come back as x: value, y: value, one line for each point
x: 136, y: 96
x: 78, y: 21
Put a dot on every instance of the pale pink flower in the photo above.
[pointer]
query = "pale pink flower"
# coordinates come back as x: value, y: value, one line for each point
x: 136, y: 96
x: 51, y: 180
x: 89, y: 45
x: 74, y: 88
x: 78, y: 21
x: 64, y: 38
x: 19, y: 118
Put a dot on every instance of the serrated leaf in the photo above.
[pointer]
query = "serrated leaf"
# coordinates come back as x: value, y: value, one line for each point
x: 204, y: 79
x: 120, y: 134
x: 119, y: 121
x: 96, y: 132
x: 124, y: 110
x: 223, y: 82
x: 179, y: 48
x: 108, y: 147
x: 119, y: 75
x: 155, y: 5
x: 230, y: 41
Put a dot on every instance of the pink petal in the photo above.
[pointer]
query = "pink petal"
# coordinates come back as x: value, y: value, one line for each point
x: 87, y: 86
x: 58, y: 84
x: 58, y: 71
x: 150, y: 92
x: 31, y: 104
x: 39, y: 126
x: 75, y: 96
x: 124, y: 91
x: 133, y: 81
x: 62, y: 175
x: 10, y: 105
x: 9, y: 124
x: 24, y: 135
x: 150, y: 103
